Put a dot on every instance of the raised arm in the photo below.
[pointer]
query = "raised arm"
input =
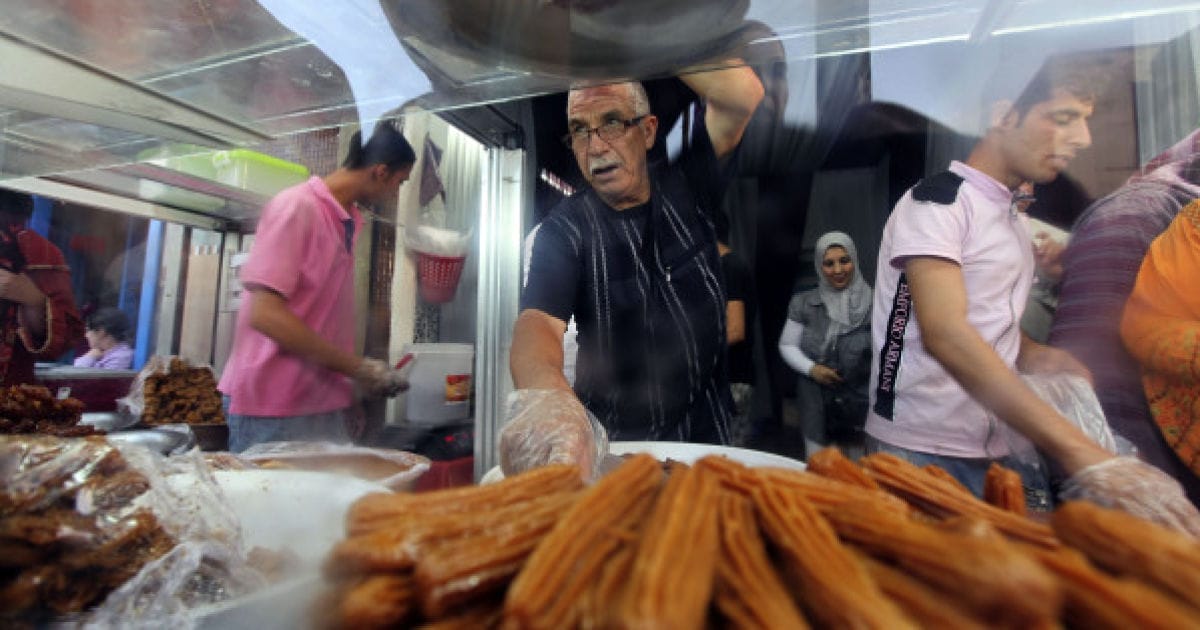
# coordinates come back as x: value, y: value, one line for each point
x: 731, y: 94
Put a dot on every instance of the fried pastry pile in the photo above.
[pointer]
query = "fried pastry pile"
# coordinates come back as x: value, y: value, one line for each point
x: 880, y: 545
x: 183, y: 393
x: 32, y: 409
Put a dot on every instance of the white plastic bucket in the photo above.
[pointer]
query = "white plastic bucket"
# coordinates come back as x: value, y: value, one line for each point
x: 440, y: 383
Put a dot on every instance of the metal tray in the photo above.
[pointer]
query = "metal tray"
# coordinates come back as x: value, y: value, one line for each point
x: 107, y: 421
x: 158, y: 440
x: 684, y: 452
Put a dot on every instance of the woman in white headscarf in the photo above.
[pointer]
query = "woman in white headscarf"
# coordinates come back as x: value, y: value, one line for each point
x: 827, y: 339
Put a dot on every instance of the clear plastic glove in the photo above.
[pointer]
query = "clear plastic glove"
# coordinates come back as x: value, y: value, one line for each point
x: 379, y: 379
x: 550, y: 426
x: 1127, y: 484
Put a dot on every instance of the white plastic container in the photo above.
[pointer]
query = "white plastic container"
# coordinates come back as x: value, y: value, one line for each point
x: 440, y: 384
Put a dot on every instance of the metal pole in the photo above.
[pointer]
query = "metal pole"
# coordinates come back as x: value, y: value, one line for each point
x: 145, y: 320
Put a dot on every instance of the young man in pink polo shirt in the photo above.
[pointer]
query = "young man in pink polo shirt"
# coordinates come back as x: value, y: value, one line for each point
x: 955, y: 268
x: 293, y: 367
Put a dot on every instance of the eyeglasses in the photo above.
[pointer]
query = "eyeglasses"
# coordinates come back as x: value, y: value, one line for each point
x: 609, y: 131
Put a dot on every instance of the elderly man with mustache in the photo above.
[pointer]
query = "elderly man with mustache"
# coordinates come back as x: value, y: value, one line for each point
x: 634, y: 259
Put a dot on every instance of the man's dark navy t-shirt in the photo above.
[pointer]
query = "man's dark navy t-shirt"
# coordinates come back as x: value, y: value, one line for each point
x: 644, y: 285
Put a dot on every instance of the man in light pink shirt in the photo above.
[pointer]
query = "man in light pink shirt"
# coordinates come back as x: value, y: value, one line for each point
x: 292, y: 370
x: 955, y: 268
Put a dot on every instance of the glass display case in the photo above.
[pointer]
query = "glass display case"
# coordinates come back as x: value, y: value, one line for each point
x: 100, y: 103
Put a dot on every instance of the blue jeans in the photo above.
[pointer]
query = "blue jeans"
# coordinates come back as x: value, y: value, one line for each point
x: 246, y: 431
x: 972, y: 472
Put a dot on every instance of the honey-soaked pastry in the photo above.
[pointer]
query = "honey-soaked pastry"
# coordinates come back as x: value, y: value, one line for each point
x: 831, y: 463
x: 1127, y: 545
x: 377, y: 601
x: 1097, y: 600
x: 33, y: 409
x: 546, y: 592
x: 988, y: 575
x: 835, y: 590
x: 399, y: 547
x: 942, y: 498
x: 180, y: 393
x: 930, y: 609
x: 1002, y: 488
x: 749, y: 591
x: 377, y: 510
x: 827, y: 494
x: 669, y: 589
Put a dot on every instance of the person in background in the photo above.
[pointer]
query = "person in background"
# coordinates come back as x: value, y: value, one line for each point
x: 827, y: 339
x: 634, y: 259
x: 1100, y: 265
x: 1048, y: 245
x: 38, y: 316
x: 954, y: 273
x: 1161, y: 329
x: 292, y: 369
x: 740, y: 311
x: 107, y: 336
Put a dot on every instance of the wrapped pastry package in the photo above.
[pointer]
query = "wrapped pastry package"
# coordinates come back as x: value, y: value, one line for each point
x: 104, y: 535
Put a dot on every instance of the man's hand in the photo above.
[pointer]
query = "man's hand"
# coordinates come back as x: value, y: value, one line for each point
x: 825, y: 375
x: 379, y: 379
x: 17, y: 287
x: 1124, y: 483
x: 1047, y: 252
x: 550, y: 426
x: 1036, y: 358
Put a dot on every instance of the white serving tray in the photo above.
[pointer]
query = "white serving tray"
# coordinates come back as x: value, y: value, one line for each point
x: 687, y: 453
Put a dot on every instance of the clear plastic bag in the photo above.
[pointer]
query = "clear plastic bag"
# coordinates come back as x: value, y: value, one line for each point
x: 398, y: 470
x: 1075, y: 399
x: 1072, y: 397
x: 129, y: 544
x: 208, y: 563
x: 438, y: 241
x: 547, y: 426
